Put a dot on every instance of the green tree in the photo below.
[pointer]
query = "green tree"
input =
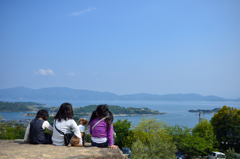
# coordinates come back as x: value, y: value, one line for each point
x: 19, y: 132
x: 230, y: 154
x: 204, y: 130
x: 153, y: 140
x: 226, y: 126
x: 130, y: 139
x: 194, y: 145
x: 10, y: 133
x: 11, y: 130
x: 194, y: 142
x: 139, y: 151
x: 88, y: 138
x: 147, y: 128
x: 179, y: 133
x: 122, y: 129
x: 185, y: 141
x: 2, y: 129
x: 161, y: 147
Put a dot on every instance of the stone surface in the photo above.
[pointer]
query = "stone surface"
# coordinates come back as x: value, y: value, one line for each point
x: 19, y: 149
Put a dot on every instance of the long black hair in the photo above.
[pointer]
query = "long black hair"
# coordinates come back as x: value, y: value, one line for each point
x: 101, y: 112
x: 42, y: 114
x: 65, y: 112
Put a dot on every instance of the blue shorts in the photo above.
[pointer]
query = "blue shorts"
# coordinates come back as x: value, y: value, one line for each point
x: 105, y: 144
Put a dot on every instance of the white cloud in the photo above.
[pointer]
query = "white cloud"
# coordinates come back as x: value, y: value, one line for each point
x: 83, y: 11
x: 72, y: 74
x: 44, y: 72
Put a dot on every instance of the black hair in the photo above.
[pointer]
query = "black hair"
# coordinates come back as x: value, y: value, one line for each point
x: 93, y: 116
x: 42, y: 114
x: 101, y: 112
x: 65, y: 112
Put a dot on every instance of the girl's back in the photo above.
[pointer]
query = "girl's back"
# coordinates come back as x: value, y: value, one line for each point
x: 101, y: 129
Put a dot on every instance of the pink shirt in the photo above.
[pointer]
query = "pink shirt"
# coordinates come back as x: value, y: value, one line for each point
x: 101, y: 131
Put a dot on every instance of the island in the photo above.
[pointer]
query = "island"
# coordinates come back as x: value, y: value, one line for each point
x: 18, y: 106
x: 215, y: 110
x: 116, y: 110
x: 78, y: 111
x: 30, y: 114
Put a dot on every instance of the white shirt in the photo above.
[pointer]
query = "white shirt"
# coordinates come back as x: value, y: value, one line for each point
x: 64, y: 126
x: 99, y: 140
x: 45, y: 125
x: 81, y: 128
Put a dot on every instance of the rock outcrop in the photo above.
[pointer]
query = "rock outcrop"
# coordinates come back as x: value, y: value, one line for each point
x: 21, y: 150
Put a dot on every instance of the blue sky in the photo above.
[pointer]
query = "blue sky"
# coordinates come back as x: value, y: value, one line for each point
x: 123, y: 47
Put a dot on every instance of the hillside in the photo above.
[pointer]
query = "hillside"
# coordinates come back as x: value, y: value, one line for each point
x: 62, y: 93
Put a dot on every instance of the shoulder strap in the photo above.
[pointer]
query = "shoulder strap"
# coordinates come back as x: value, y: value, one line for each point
x: 97, y: 123
x: 58, y: 129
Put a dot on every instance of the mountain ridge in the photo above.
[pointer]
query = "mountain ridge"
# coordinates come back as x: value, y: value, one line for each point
x: 64, y: 93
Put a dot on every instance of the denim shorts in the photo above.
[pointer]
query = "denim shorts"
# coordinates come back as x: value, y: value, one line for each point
x: 105, y: 144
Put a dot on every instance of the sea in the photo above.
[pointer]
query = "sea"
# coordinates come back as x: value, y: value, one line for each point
x: 176, y: 111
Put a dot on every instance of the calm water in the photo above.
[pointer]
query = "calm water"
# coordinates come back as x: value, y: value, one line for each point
x: 177, y: 111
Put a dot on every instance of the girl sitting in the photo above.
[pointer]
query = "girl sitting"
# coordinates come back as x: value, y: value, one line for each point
x: 35, y: 129
x: 64, y: 122
x: 101, y: 127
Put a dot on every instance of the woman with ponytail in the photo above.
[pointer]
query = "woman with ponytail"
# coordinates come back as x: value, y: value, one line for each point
x: 101, y: 127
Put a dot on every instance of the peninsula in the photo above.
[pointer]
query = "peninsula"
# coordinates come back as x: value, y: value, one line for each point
x: 215, y: 110
x: 78, y: 111
x: 18, y: 106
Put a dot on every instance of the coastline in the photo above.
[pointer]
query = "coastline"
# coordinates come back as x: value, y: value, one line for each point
x: 215, y: 110
x: 138, y: 114
x: 88, y: 115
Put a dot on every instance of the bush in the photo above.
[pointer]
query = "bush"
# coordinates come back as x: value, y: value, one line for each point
x: 88, y: 138
x: 230, y: 154
x: 153, y: 141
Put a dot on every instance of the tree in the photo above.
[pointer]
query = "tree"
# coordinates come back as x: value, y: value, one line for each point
x: 139, y: 151
x: 179, y: 133
x: 147, y: 128
x: 193, y: 142
x: 11, y: 130
x: 185, y: 141
x: 2, y: 130
x: 226, y: 126
x: 19, y: 132
x: 122, y: 129
x: 230, y: 154
x: 204, y: 130
x: 88, y: 138
x: 130, y: 139
x: 153, y: 141
x: 161, y: 147
x: 194, y: 145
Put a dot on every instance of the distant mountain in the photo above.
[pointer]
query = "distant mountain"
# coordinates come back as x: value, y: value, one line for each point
x: 62, y: 93
x: 55, y: 93
x: 237, y: 100
x: 172, y: 97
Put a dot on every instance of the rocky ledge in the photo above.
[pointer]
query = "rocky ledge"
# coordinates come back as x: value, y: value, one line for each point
x: 21, y: 150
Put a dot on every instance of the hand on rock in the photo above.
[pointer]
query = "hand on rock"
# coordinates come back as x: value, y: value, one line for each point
x: 113, y: 147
